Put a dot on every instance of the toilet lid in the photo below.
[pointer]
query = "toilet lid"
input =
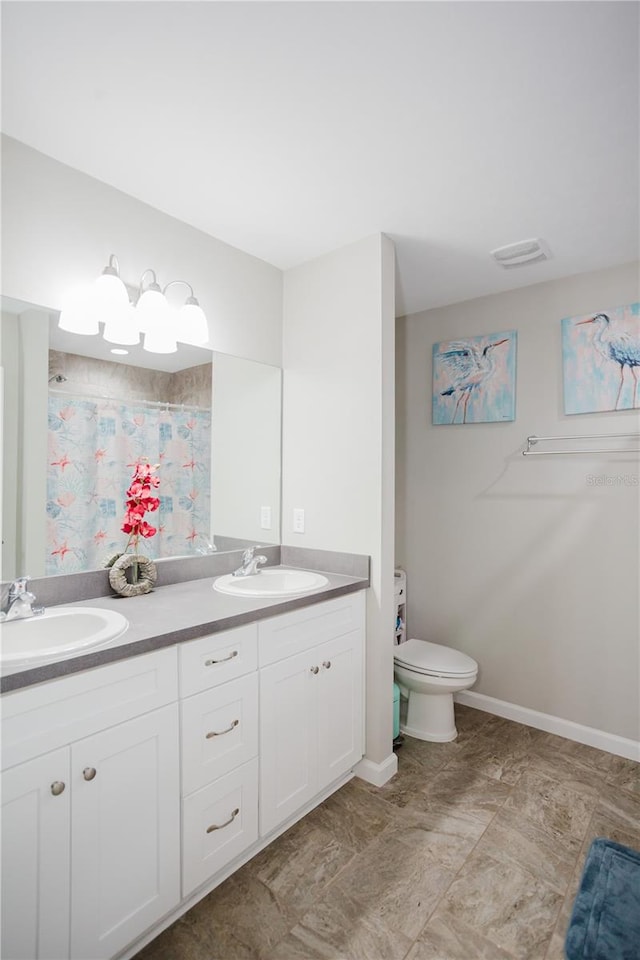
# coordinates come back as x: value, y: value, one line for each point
x: 434, y: 658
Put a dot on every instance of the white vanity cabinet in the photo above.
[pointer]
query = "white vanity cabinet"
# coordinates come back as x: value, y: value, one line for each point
x: 311, y: 716
x: 131, y: 789
x: 36, y: 855
x: 219, y: 739
x: 90, y: 829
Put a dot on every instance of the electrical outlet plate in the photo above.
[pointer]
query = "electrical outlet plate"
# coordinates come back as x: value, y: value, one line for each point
x: 265, y: 518
x: 298, y: 520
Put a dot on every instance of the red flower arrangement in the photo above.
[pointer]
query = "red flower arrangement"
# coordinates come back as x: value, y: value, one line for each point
x: 140, y: 501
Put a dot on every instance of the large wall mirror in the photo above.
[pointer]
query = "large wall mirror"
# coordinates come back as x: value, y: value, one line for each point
x: 77, y: 417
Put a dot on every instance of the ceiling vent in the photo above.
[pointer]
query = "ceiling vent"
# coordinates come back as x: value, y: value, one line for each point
x: 520, y: 254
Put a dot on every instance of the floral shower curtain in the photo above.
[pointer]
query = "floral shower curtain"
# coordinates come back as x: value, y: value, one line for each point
x: 93, y: 447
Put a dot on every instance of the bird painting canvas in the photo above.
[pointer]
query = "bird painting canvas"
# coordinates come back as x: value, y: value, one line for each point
x: 474, y: 379
x: 601, y: 360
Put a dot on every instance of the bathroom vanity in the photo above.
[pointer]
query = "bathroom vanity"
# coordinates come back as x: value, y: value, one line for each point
x: 132, y: 788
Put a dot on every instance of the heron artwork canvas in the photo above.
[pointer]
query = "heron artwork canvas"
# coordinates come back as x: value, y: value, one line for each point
x: 474, y: 380
x: 601, y: 360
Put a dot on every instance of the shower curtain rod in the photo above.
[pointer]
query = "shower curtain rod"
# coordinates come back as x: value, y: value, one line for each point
x: 148, y: 403
x: 531, y: 441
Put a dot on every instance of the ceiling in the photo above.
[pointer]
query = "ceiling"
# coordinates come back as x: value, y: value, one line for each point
x: 291, y: 129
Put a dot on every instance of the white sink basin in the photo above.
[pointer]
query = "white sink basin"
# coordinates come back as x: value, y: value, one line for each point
x: 57, y: 633
x: 269, y: 583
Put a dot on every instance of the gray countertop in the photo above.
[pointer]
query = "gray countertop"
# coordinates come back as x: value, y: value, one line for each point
x: 172, y: 614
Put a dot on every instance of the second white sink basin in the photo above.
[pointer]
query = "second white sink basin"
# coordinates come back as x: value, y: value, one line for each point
x: 269, y: 583
x: 58, y: 633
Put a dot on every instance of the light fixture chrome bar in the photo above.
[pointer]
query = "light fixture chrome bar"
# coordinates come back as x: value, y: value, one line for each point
x: 531, y: 441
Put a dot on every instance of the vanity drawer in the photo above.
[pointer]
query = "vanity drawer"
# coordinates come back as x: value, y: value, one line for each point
x: 303, y: 629
x: 219, y: 822
x: 217, y: 658
x: 57, y: 712
x: 219, y: 731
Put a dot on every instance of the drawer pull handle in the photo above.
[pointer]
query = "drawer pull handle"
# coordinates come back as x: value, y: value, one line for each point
x: 89, y: 773
x: 219, y: 826
x: 57, y: 787
x: 315, y: 669
x: 326, y: 664
x: 210, y: 663
x: 220, y: 733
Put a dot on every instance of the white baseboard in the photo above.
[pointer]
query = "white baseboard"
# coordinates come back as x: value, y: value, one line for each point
x: 611, y: 742
x: 377, y: 773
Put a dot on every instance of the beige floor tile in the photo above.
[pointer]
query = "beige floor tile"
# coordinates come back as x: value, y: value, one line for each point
x: 555, y: 950
x: 340, y: 927
x: 559, y: 746
x: 450, y: 938
x: 354, y: 815
x: 553, y: 805
x: 503, y: 904
x: 395, y: 883
x: 408, y: 781
x: 300, y: 864
x: 500, y: 750
x: 572, y: 771
x: 625, y: 773
x: 622, y: 806
x: 463, y: 788
x: 248, y: 911
x: 441, y: 834
x: 469, y: 721
x: 474, y: 851
x: 198, y: 935
x: 512, y: 838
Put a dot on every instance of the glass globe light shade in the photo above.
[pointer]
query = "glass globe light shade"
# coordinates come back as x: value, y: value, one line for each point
x: 78, y: 313
x: 193, y: 324
x: 112, y: 299
x: 160, y: 340
x: 122, y: 330
x: 152, y: 304
x: 160, y: 336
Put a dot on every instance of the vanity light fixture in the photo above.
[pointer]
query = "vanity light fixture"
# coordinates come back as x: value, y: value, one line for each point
x: 154, y: 318
x: 162, y: 323
x: 75, y: 317
x: 192, y: 322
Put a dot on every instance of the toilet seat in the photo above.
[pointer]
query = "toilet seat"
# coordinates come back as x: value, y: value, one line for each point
x: 434, y: 660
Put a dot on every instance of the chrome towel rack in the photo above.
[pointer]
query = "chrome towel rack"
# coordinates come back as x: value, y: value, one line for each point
x: 532, y: 441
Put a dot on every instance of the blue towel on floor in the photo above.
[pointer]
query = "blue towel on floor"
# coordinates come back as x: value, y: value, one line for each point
x: 605, y: 922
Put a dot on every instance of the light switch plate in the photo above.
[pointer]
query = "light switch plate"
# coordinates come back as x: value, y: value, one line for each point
x: 298, y: 520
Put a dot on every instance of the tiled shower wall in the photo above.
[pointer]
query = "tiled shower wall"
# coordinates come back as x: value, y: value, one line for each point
x: 87, y: 376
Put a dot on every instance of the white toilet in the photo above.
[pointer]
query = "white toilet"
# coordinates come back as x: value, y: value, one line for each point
x: 431, y: 674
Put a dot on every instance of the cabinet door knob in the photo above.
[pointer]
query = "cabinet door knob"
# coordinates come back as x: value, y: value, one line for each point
x: 212, y: 663
x: 315, y: 669
x: 57, y: 787
x: 326, y: 664
x: 219, y: 826
x: 220, y: 733
x: 89, y: 773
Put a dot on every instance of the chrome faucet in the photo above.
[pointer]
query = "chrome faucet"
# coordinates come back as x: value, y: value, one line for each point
x: 20, y: 602
x: 250, y: 564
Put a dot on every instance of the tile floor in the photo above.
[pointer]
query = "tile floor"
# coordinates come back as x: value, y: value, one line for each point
x: 474, y: 850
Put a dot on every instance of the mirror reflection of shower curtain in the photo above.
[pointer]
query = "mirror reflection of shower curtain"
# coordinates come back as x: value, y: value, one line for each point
x: 93, y: 447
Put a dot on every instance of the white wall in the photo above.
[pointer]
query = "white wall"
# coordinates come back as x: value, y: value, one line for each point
x: 518, y: 561
x: 60, y: 226
x: 338, y: 434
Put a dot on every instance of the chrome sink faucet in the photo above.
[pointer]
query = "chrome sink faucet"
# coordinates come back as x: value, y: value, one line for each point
x: 250, y: 564
x: 20, y: 602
